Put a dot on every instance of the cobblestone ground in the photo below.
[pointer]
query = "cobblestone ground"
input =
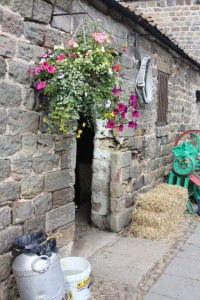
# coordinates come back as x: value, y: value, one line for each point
x: 102, y: 289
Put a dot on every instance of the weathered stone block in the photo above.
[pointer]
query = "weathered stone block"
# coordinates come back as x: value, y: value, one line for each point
x: 19, y: 72
x: 125, y: 173
x: 24, y: 7
x: 135, y: 169
x: 7, y: 237
x: 5, y: 217
x: 20, y: 121
x: 11, y: 95
x: 3, y: 120
x: 9, y: 145
x: 66, y: 250
x: 35, y: 224
x: 29, y: 144
x: 8, y: 289
x: 68, y: 158
x: 117, y: 205
x: 120, y: 220
x: 59, y: 217
x: 45, y: 142
x: 31, y: 186
x: 2, y: 67
x: 34, y: 32
x: 138, y: 182
x: 7, y: 46
x: 28, y: 51
x: 9, y: 191
x: 12, y: 24
x: 57, y: 180
x: 29, y: 98
x: 42, y: 204
x: 122, y: 159
x: 5, y: 266
x: 5, y: 167
x: 62, y: 197
x: 66, y: 5
x: 135, y: 143
x: 67, y: 235
x: 21, y: 167
x: 21, y: 211
x: 100, y: 222
x: 63, y: 23
x: 1, y: 15
x: 63, y: 145
x: 42, y: 11
x: 45, y: 162
x: 117, y: 190
x: 52, y: 38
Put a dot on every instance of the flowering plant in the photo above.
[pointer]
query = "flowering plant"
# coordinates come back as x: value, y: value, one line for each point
x: 82, y: 78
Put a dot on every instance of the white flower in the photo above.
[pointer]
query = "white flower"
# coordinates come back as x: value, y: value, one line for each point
x: 42, y: 61
x: 102, y: 49
x: 86, y: 94
x: 58, y: 47
x: 110, y: 72
x: 107, y: 103
x: 61, y: 75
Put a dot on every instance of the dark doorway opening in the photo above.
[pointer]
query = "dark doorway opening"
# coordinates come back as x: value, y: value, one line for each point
x: 84, y: 157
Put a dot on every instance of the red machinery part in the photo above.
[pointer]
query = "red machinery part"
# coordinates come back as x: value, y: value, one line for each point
x: 185, y: 133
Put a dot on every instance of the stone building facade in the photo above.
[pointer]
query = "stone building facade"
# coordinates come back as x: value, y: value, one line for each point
x: 179, y: 19
x: 37, y: 170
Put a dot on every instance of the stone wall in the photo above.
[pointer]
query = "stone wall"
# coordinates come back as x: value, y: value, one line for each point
x: 180, y: 19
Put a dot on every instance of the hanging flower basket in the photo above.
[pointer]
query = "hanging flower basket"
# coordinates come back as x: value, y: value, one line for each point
x: 82, y: 78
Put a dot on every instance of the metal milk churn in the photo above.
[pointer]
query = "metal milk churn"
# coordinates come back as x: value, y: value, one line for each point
x: 39, y: 277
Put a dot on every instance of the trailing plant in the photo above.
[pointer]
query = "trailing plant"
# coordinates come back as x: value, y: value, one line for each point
x: 82, y: 78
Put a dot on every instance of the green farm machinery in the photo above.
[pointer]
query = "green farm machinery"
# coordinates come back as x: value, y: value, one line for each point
x: 186, y: 165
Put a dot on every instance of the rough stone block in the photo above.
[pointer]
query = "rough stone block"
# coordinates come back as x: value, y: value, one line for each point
x: 67, y: 235
x: 62, y: 22
x: 7, y: 46
x: 5, y: 266
x: 29, y: 98
x: 29, y: 52
x: 9, y: 145
x: 5, y: 217
x: 24, y: 7
x: 57, y: 180
x: 135, y: 143
x: 3, y: 120
x: 125, y: 173
x: 1, y: 15
x: 63, y: 145
x: 117, y: 204
x: 9, y: 191
x: 52, y: 38
x: 59, y: 217
x: 62, y: 197
x: 12, y: 24
x: 29, y: 143
x: 31, y: 186
x: 100, y: 222
x: 122, y: 159
x: 7, y: 237
x: 117, y: 190
x: 42, y: 204
x: 138, y: 182
x: 35, y: 224
x: 66, y: 5
x: 5, y: 167
x: 8, y: 289
x: 34, y: 32
x: 42, y: 11
x: 11, y: 95
x: 135, y: 169
x: 2, y: 67
x: 19, y: 72
x: 45, y: 162
x: 45, y: 142
x: 21, y: 211
x: 20, y: 121
x: 21, y: 167
x: 120, y: 220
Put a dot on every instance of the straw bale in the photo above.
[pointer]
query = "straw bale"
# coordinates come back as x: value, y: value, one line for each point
x: 159, y: 211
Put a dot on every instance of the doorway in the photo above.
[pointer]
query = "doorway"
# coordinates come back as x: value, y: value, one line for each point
x: 83, y: 171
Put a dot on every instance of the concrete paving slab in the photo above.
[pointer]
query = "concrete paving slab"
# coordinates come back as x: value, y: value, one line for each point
x: 194, y: 239
x: 197, y: 229
x: 89, y: 244
x: 185, y: 268
x: 191, y: 252
x: 153, y: 296
x: 177, y: 287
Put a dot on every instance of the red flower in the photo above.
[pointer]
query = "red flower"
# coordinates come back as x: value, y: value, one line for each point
x: 122, y: 107
x: 61, y: 57
x: 45, y: 64
x: 123, y: 115
x: 51, y: 69
x: 117, y: 68
x: 121, y: 127
x: 115, y: 111
x: 111, y: 124
x: 132, y: 124
x: 135, y: 113
x: 72, y: 54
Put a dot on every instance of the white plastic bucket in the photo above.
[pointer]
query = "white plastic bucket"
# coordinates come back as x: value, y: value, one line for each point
x: 76, y: 271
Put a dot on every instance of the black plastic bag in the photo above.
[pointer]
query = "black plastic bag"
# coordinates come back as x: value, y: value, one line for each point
x: 36, y: 242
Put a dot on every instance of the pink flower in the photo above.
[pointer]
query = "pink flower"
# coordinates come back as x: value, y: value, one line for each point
x: 132, y: 124
x: 133, y: 97
x: 72, y: 54
x: 44, y: 55
x: 61, y: 57
x: 38, y: 69
x: 32, y: 71
x: 100, y: 37
x: 123, y: 115
x: 115, y: 91
x: 72, y: 43
x: 51, y: 69
x: 135, y: 113
x: 121, y: 127
x: 122, y: 107
x: 45, y: 65
x: 115, y: 111
x: 41, y: 85
x: 111, y: 124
